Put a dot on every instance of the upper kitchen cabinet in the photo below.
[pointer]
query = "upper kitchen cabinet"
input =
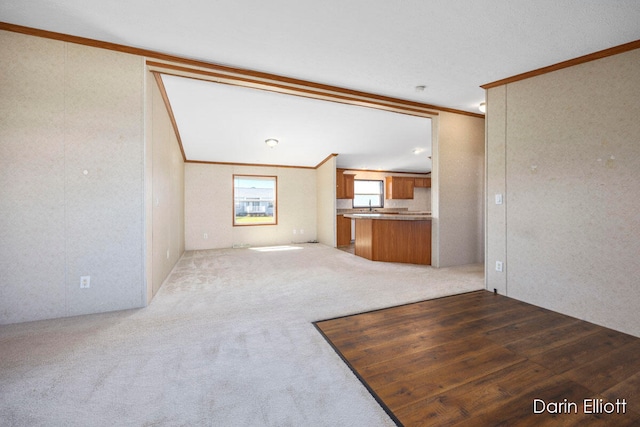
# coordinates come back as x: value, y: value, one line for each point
x: 399, y: 187
x: 422, y: 182
x: 344, y: 184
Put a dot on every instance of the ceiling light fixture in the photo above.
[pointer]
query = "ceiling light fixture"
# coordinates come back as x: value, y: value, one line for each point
x: 483, y: 107
x: 417, y: 151
x: 271, y: 142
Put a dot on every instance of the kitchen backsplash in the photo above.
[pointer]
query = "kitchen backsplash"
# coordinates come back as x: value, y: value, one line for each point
x: 421, y: 201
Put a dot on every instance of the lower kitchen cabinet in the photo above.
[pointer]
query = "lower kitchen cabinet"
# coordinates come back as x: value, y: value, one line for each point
x: 343, y: 226
x: 394, y: 241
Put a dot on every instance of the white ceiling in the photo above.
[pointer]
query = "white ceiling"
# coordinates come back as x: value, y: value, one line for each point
x: 382, y: 47
x: 230, y: 124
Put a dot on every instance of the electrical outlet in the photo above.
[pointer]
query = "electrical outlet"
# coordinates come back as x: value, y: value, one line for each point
x: 294, y: 231
x: 499, y: 266
x: 85, y: 282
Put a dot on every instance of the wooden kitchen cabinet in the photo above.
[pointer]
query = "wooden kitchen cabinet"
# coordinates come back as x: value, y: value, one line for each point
x: 344, y: 184
x: 399, y: 187
x: 422, y: 182
x: 343, y: 226
x: 394, y: 241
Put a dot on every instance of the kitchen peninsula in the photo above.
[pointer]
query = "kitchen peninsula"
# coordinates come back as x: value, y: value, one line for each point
x: 401, y: 237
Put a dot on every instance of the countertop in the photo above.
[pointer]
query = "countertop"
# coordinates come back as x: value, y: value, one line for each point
x: 404, y: 216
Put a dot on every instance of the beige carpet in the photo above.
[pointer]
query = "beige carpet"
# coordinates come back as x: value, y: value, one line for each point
x: 227, y: 341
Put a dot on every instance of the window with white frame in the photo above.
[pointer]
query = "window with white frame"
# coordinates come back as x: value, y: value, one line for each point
x: 254, y: 200
x: 368, y: 193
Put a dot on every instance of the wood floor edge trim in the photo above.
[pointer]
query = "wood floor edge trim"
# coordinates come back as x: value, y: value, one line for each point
x: 399, y: 305
x: 373, y: 394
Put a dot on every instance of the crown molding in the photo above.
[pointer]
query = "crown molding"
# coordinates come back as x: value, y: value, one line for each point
x: 172, y: 64
x: 566, y: 64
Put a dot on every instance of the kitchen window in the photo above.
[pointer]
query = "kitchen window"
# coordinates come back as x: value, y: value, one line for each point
x: 368, y: 193
x: 254, y: 200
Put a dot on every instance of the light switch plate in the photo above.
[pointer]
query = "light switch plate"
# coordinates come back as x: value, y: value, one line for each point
x: 498, y: 199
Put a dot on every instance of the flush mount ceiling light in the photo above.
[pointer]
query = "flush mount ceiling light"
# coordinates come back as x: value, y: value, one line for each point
x: 417, y: 151
x: 483, y: 107
x: 271, y: 142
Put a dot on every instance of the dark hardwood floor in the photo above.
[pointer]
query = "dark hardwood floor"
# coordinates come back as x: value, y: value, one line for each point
x: 480, y: 359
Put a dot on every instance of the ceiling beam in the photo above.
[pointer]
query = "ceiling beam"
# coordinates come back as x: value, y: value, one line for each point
x: 239, y: 75
x: 328, y: 93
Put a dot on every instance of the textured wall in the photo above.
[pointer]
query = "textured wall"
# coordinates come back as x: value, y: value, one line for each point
x: 167, y: 191
x: 496, y: 214
x: 66, y: 109
x: 571, y: 175
x: 32, y: 178
x: 457, y: 187
x: 209, y: 207
x: 326, y: 191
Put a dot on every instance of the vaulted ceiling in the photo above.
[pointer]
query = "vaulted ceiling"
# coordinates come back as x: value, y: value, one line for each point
x: 381, y: 47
